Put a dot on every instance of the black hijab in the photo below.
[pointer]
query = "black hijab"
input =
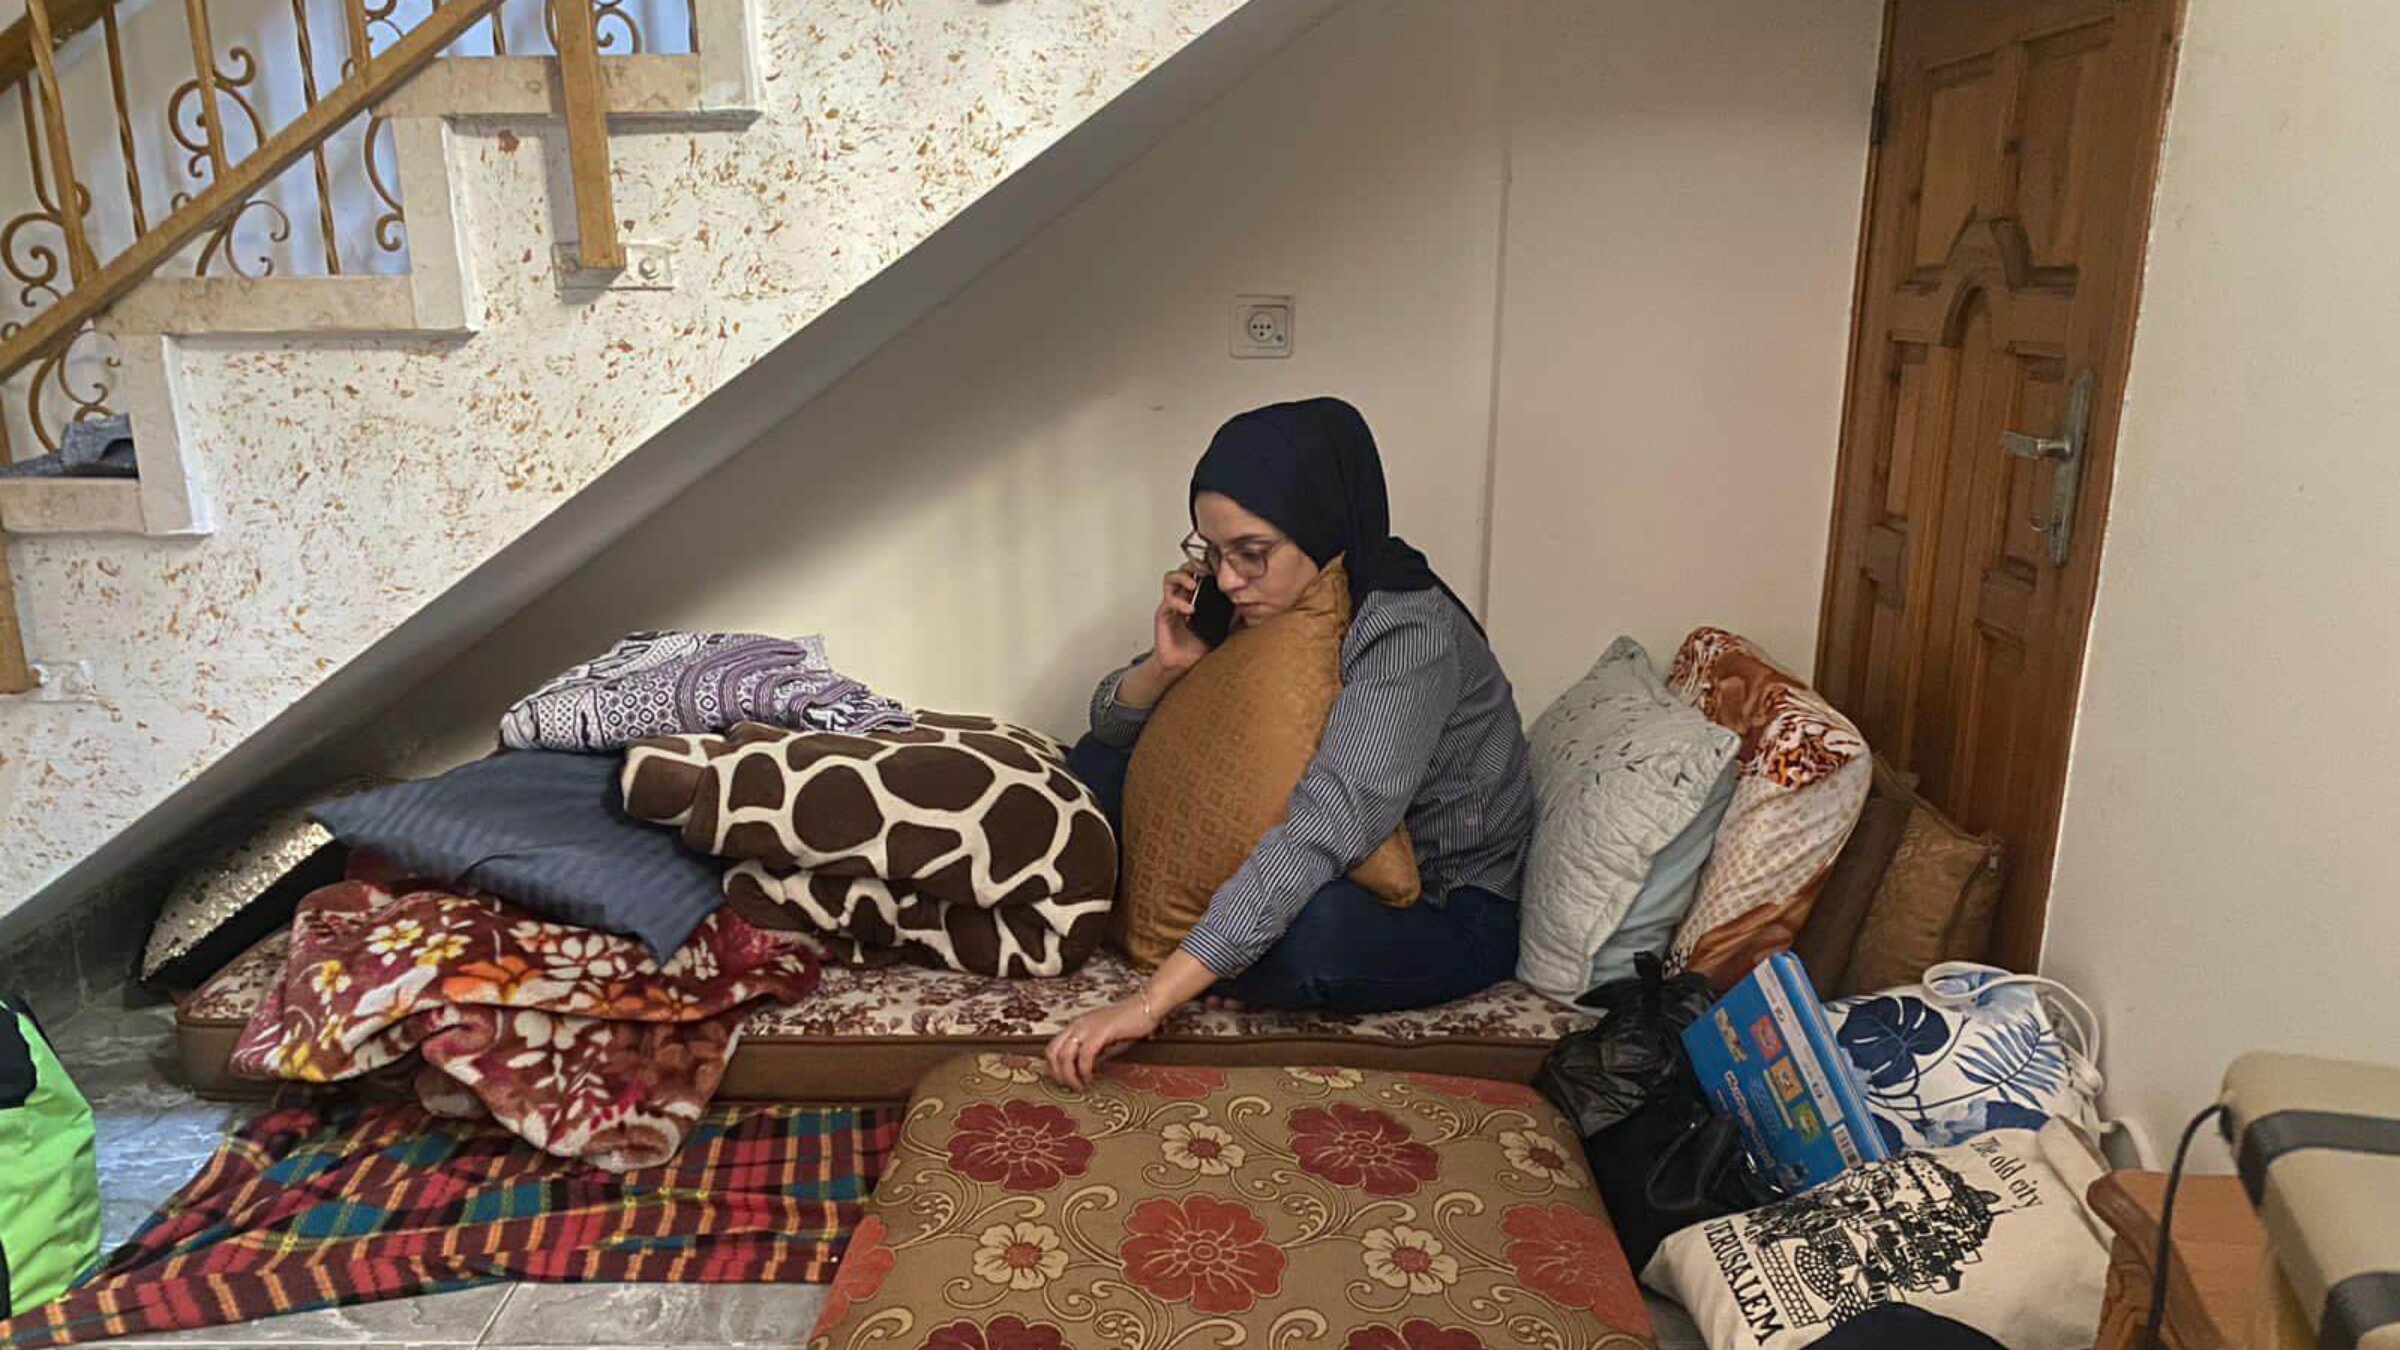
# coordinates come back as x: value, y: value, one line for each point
x: 1310, y: 469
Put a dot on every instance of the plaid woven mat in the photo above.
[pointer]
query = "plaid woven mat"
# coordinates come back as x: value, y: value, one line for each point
x: 325, y: 1202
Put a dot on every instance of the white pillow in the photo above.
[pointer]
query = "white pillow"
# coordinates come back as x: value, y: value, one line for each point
x: 1993, y: 1232
x: 1973, y: 1048
x: 1621, y: 767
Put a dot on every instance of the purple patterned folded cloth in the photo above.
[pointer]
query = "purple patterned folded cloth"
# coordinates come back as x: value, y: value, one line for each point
x: 676, y: 683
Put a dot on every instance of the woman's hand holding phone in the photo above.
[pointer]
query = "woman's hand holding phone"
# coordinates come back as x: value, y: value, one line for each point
x: 1175, y: 647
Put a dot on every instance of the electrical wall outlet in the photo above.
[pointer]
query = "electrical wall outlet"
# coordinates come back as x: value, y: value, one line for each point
x: 1262, y: 326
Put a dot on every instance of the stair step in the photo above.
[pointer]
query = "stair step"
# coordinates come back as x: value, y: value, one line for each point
x: 70, y: 506
x: 266, y: 306
x: 634, y: 88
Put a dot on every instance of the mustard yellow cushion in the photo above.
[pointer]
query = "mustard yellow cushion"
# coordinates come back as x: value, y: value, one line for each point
x: 1217, y: 762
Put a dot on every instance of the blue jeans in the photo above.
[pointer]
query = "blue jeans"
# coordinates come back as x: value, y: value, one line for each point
x: 1346, y: 951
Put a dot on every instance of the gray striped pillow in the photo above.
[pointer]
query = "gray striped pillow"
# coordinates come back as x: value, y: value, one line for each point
x: 542, y: 829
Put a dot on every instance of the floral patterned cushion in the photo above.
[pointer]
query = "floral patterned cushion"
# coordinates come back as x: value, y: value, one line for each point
x: 1803, y: 781
x: 867, y: 1035
x: 1201, y: 1206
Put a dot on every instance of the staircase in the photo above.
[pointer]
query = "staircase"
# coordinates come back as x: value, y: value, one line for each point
x: 404, y: 339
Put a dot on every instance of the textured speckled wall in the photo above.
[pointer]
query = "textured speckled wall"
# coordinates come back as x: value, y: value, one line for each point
x: 1020, y: 456
x: 976, y: 517
x: 355, y: 483
x: 2225, y: 878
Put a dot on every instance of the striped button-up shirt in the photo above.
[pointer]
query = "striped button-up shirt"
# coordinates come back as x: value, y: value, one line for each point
x: 1426, y: 731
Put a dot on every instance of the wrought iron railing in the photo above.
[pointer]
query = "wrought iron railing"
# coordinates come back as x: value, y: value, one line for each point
x: 151, y: 108
x: 148, y: 149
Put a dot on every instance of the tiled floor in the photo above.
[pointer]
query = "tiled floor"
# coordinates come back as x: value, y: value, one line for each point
x: 543, y: 1315
x: 1673, y: 1329
x: 616, y: 1317
x: 153, y: 1136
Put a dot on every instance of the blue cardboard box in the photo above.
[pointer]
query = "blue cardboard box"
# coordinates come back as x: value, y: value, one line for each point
x: 1765, y: 1056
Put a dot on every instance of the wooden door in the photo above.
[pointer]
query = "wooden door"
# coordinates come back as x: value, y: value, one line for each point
x: 2017, y: 141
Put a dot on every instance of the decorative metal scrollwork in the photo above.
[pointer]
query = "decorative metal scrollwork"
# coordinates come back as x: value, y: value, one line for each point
x: 58, y: 370
x: 619, y: 32
x: 235, y: 96
x: 88, y: 350
x: 186, y: 102
x: 391, y: 227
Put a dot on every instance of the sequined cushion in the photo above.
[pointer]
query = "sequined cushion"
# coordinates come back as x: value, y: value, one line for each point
x: 236, y: 894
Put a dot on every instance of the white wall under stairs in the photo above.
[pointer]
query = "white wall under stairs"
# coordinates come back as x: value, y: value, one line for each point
x: 377, y: 499
x: 1491, y: 219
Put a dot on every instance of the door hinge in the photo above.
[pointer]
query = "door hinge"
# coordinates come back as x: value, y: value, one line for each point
x: 1877, y: 121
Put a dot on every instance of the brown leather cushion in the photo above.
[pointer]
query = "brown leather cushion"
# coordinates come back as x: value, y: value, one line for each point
x: 1217, y: 762
x: 867, y: 1035
x: 1826, y: 940
x: 1935, y: 903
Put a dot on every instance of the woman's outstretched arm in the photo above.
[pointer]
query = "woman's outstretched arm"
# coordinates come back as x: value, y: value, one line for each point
x: 1075, y: 1052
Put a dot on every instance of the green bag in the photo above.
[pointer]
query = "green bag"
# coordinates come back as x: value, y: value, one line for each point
x: 49, y: 1181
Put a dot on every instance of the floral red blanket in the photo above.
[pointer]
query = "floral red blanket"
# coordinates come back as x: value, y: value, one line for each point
x: 574, y: 1040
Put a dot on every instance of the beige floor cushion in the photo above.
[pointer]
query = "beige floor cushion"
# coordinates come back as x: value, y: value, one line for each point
x: 1219, y: 1207
x: 867, y: 1036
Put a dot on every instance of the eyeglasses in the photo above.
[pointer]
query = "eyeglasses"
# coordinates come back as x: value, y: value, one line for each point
x: 1249, y: 561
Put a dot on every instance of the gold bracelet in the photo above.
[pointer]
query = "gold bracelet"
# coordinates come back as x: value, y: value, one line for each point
x: 1146, y: 1006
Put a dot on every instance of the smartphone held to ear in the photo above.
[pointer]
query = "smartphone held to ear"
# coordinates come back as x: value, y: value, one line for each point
x: 1212, y: 613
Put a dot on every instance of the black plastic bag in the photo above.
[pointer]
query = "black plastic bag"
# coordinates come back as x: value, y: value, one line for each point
x: 1601, y: 1076
x: 1663, y: 1160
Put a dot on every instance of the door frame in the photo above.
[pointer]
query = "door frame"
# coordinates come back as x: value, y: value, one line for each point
x: 2020, y: 947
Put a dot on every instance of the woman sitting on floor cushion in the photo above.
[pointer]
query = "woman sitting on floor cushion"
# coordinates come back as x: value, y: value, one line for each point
x: 1425, y: 732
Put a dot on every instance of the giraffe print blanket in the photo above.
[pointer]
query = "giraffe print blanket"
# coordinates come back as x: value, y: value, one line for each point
x: 961, y: 842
